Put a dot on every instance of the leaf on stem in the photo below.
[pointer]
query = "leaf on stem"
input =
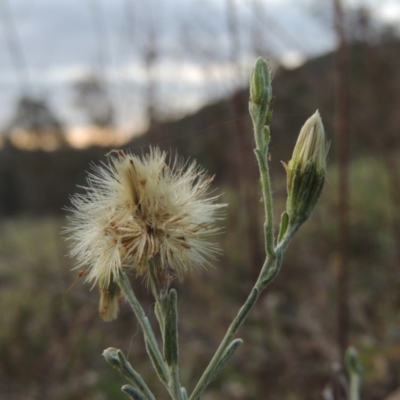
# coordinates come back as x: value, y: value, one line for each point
x: 133, y: 376
x: 132, y: 393
x: 283, y: 226
x: 223, y: 360
x: 110, y: 355
x: 159, y: 368
x: 117, y: 359
x: 184, y: 393
x: 171, y: 329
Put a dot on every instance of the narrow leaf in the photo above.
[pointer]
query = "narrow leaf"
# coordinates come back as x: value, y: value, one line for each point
x: 283, y: 226
x: 132, y: 393
x: 133, y: 376
x: 171, y: 329
x: 222, y: 361
x: 159, y: 368
x: 184, y: 393
x: 226, y: 356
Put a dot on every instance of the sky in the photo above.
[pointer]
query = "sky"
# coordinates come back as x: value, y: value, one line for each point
x: 46, y: 46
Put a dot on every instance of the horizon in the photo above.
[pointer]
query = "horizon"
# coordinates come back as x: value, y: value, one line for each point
x: 195, y: 61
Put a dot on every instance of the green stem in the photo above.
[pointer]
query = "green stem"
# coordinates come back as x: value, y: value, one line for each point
x: 259, y: 114
x: 287, y: 238
x: 157, y: 358
x: 167, y: 318
x: 153, y: 281
x: 174, y: 384
x: 184, y: 394
x: 354, y: 387
x: 236, y: 323
x: 171, y: 348
x: 160, y: 304
x: 117, y: 359
x: 261, y: 151
x: 268, y: 272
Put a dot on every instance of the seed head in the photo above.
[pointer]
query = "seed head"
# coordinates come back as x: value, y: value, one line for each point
x: 137, y: 209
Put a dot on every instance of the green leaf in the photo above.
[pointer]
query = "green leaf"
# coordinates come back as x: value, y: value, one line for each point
x: 267, y: 134
x: 283, y: 226
x: 132, y: 393
x: 184, y: 394
x: 225, y: 357
x: 157, y: 366
x: 171, y: 329
x: 133, y: 376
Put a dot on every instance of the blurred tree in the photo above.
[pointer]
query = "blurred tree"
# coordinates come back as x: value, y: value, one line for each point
x: 342, y: 157
x: 35, y: 116
x: 244, y: 173
x: 92, y: 97
x: 380, y: 50
x: 150, y: 55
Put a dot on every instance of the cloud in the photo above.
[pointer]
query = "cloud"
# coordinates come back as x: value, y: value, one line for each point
x: 65, y: 40
x: 389, y: 12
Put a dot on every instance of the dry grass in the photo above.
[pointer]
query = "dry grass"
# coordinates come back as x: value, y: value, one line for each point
x: 51, y: 340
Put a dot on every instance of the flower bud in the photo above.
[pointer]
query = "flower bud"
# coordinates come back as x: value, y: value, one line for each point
x: 260, y: 83
x: 352, y: 361
x: 306, y: 171
x: 311, y: 145
x: 260, y: 94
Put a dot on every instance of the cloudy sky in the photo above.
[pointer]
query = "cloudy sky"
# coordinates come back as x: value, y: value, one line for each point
x: 48, y: 45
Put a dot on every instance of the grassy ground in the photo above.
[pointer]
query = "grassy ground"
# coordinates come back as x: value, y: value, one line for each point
x: 51, y: 338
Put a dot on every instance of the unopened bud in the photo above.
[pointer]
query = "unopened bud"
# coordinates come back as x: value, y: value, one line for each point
x: 260, y: 83
x: 260, y: 95
x: 311, y: 145
x: 306, y: 171
x: 353, y: 361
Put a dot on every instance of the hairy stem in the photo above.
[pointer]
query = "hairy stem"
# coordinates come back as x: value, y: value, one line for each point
x: 151, y: 342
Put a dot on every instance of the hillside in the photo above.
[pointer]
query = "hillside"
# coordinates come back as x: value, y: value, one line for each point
x: 219, y: 135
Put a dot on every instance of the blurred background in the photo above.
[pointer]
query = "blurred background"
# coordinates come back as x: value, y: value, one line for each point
x: 79, y: 78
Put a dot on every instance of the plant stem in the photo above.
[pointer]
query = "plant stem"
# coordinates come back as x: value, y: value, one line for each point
x: 354, y: 369
x: 160, y: 304
x: 259, y: 113
x: 260, y: 99
x: 161, y: 313
x: 174, y: 384
x: 261, y: 155
x: 268, y: 272
x: 157, y: 358
x: 354, y: 387
x: 236, y: 323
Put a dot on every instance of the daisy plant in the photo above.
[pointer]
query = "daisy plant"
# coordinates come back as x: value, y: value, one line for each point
x: 153, y: 215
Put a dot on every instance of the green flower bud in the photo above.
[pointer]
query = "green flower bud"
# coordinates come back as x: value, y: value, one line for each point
x: 260, y: 99
x: 352, y: 361
x: 306, y: 171
x: 260, y: 83
x: 311, y: 145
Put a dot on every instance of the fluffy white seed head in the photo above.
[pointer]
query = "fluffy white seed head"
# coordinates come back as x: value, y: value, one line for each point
x: 137, y: 209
